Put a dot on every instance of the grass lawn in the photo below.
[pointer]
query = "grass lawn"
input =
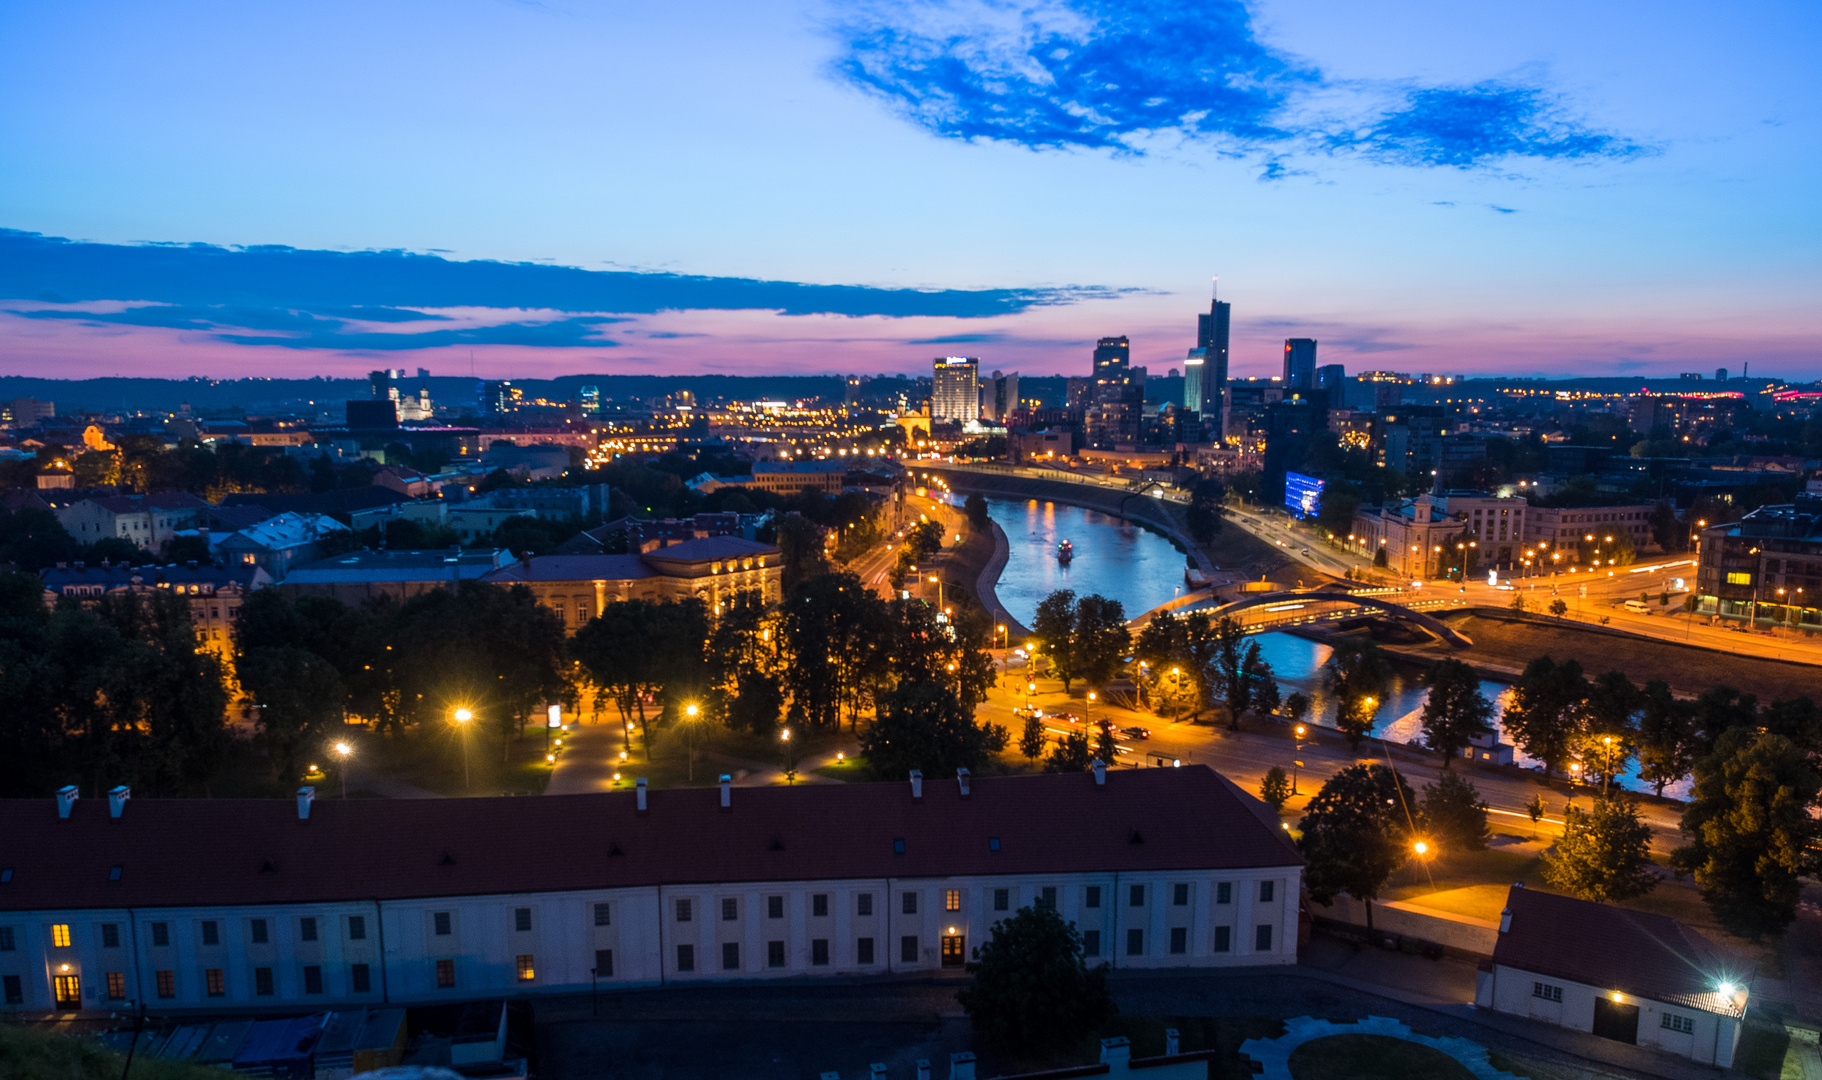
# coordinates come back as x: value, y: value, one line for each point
x: 1373, y: 1057
x: 28, y: 1052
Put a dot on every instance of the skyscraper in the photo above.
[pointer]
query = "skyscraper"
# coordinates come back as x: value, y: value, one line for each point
x: 1300, y: 363
x: 1002, y: 397
x: 1112, y: 355
x: 1211, y: 338
x: 955, y: 390
x: 1194, y: 370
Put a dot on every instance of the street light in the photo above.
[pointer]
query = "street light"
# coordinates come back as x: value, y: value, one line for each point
x: 1607, y: 775
x: 463, y: 716
x: 342, y: 750
x: 1295, y: 763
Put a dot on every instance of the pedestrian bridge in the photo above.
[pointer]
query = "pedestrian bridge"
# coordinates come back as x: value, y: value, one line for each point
x: 1296, y: 607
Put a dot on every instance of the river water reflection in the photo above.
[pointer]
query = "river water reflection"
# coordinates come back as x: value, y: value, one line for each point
x: 1139, y: 568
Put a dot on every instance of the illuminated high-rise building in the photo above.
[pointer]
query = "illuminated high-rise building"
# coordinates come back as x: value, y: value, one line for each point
x: 955, y: 390
x: 1195, y: 369
x: 1300, y: 363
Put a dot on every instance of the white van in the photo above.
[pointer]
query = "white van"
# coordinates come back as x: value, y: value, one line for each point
x: 1637, y: 607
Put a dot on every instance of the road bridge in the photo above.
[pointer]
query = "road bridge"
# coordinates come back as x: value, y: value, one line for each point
x: 1287, y: 600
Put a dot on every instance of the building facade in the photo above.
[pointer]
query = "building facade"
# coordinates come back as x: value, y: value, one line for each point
x: 1766, y: 567
x: 146, y: 520
x: 1561, y: 529
x: 236, y: 903
x: 714, y: 569
x: 214, y: 594
x: 1300, y: 363
x: 955, y: 390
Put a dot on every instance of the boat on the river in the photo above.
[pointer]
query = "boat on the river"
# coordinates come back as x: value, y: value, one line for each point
x: 1065, y: 552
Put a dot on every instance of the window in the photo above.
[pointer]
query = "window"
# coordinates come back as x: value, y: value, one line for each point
x: 1224, y: 939
x: 1179, y: 894
x: 442, y: 922
x: 604, y: 963
x: 1002, y: 899
x: 993, y: 843
x: 686, y: 958
x: 521, y: 919
x: 1093, y: 897
x: 1684, y: 1024
x: 730, y: 956
x: 730, y: 909
x: 360, y: 978
x: 909, y: 903
x: 819, y: 905
x: 166, y: 982
x: 262, y: 981
x: 863, y: 950
x: 1135, y: 942
x: 1047, y: 897
x: 1546, y: 991
x: 445, y: 974
x: 527, y: 970
x: 211, y: 932
x: 907, y: 949
x: 214, y: 983
x: 6, y: 939
x: 117, y: 986
x: 306, y: 929
x: 1739, y: 579
x: 603, y: 915
x: 1136, y: 897
x: 15, y: 990
x: 313, y: 979
x: 952, y: 899
x: 1224, y: 892
x: 1267, y: 889
x: 1091, y: 943
x: 898, y: 845
x: 60, y: 935
x: 110, y: 935
x: 261, y: 932
x: 357, y: 928
x: 819, y: 952
x: 863, y: 904
x: 1179, y: 940
x: 1262, y: 939
x: 774, y: 954
x: 683, y: 911
x: 68, y: 989
x: 774, y: 907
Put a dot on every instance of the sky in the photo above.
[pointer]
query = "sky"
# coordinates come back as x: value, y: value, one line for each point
x: 526, y: 189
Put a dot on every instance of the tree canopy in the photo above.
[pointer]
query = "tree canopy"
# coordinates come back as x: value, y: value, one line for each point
x: 1032, y: 987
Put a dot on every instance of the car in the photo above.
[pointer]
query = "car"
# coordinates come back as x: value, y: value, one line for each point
x: 1136, y: 732
x: 1306, y: 551
x: 1066, y: 717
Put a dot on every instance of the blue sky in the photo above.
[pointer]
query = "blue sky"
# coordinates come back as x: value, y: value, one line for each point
x: 563, y: 187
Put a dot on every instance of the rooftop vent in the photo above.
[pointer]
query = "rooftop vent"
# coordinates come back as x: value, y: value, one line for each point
x: 305, y: 796
x: 1100, y: 772
x: 917, y: 783
x: 117, y: 800
x: 727, y: 791
x: 962, y: 776
x: 66, y: 800
x: 639, y: 793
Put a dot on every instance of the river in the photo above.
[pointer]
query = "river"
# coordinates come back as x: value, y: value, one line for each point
x: 1141, y: 569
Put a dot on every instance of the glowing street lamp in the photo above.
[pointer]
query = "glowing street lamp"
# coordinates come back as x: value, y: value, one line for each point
x: 462, y: 717
x: 342, y: 750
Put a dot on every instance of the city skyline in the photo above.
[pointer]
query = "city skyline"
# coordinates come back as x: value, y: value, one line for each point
x: 1418, y: 189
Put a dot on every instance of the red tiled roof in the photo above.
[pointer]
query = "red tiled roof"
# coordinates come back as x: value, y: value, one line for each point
x: 226, y: 851
x: 1611, y: 948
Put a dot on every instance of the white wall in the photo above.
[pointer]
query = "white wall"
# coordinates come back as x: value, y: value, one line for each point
x: 1711, y: 1043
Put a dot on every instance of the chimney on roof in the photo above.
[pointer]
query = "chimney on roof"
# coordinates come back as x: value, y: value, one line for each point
x: 305, y: 796
x: 917, y: 783
x: 962, y: 776
x: 66, y: 798
x: 877, y: 1071
x: 1172, y: 1042
x: 961, y: 1065
x: 923, y: 1069
x: 1505, y: 920
x: 1117, y: 1050
x: 1100, y: 772
x: 639, y: 793
x: 117, y: 800
x: 727, y: 789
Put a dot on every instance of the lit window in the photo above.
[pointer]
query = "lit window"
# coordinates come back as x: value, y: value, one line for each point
x: 952, y: 900
x: 60, y: 935
x: 526, y: 971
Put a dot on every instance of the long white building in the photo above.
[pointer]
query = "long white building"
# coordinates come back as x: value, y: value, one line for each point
x: 206, y: 903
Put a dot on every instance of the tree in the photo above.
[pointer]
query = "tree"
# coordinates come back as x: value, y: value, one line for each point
x: 975, y: 506
x: 1101, y: 638
x: 833, y: 629
x: 1054, y: 625
x: 1609, y: 727
x: 1032, y: 988
x: 800, y: 544
x: 1072, y: 754
x: 1559, y: 607
x: 1604, y: 854
x: 925, y: 726
x: 1031, y: 739
x: 1297, y: 706
x: 1454, y: 813
x: 1719, y: 710
x: 1750, y: 831
x: 1357, y: 673
x: 1535, y: 809
x: 300, y: 699
x: 1275, y: 789
x: 1266, y: 696
x: 1666, y: 736
x: 1229, y: 667
x: 1544, y: 714
x: 1355, y: 832
x: 1518, y: 601
x: 1106, y: 747
x: 1456, y: 712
